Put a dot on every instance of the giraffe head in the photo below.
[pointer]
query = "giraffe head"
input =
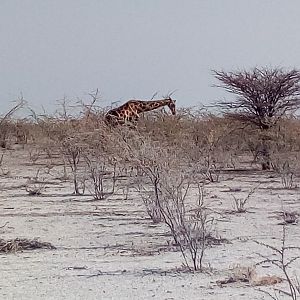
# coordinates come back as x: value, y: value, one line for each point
x: 171, y: 105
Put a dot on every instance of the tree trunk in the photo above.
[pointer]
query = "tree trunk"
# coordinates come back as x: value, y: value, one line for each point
x: 265, y: 153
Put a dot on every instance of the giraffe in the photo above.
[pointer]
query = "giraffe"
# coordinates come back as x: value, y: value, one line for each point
x: 128, y: 113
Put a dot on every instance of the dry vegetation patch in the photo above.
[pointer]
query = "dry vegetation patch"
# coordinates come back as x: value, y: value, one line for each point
x: 18, y: 244
x: 169, y: 162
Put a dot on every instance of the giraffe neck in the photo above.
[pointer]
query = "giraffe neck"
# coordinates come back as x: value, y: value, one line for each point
x: 151, y: 105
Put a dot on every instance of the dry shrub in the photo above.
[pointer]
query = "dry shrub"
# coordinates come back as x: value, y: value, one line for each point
x: 212, y: 146
x: 72, y: 151
x: 18, y: 244
x: 249, y: 275
x: 283, y: 257
x: 288, y: 217
x: 92, y: 159
x: 34, y: 154
x: 283, y: 144
x: 153, y: 158
x: 286, y: 164
x: 35, y: 189
x: 169, y: 198
x: 239, y: 274
x: 204, y: 141
x: 3, y: 169
x: 239, y: 204
x: 102, y: 175
x: 210, y: 141
x: 7, y: 126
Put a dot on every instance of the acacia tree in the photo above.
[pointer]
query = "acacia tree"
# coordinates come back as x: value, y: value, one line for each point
x: 263, y: 97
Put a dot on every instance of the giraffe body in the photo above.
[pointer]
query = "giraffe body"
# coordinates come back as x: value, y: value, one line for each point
x: 128, y: 113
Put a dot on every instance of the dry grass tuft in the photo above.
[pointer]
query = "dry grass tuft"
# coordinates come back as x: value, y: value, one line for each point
x: 249, y: 275
x: 289, y: 217
x: 14, y: 245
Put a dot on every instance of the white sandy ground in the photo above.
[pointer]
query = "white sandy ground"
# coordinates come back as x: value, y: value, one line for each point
x: 111, y: 250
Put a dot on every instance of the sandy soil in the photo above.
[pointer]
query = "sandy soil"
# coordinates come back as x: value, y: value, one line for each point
x: 110, y: 249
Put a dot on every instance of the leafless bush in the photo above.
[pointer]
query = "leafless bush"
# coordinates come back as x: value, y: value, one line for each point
x: 212, y: 146
x: 101, y: 176
x: 14, y: 245
x: 101, y: 160
x: 96, y: 172
x: 1, y: 159
x: 35, y: 189
x: 287, y: 179
x: 240, y: 203
x: 150, y: 199
x: 3, y: 169
x: 152, y: 169
x: 288, y: 217
x: 212, y: 173
x: 190, y: 223
x: 168, y: 200
x: 283, y: 261
x: 6, y: 126
x: 34, y: 155
x: 154, y: 161
x: 286, y: 172
x: 72, y: 152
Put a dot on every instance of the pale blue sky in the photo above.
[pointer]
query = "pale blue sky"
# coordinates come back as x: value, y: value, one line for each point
x: 132, y: 48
